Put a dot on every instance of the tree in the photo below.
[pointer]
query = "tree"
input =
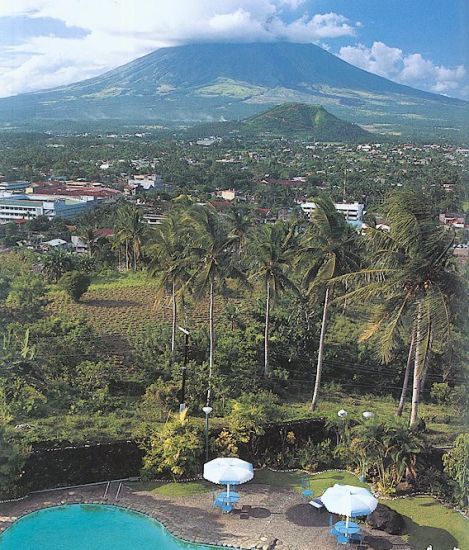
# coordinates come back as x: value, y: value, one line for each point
x: 211, y: 251
x: 27, y: 295
x: 75, y: 284
x: 271, y: 249
x: 169, y: 262
x: 329, y: 250
x: 56, y: 263
x: 130, y: 232
x: 411, y: 282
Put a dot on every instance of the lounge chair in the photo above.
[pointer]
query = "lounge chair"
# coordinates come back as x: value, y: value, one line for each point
x: 317, y: 503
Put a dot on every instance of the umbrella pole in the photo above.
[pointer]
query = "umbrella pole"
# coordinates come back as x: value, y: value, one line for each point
x: 228, y: 490
x: 346, y: 523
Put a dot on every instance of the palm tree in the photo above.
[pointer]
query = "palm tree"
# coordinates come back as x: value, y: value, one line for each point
x: 168, y: 251
x: 329, y: 250
x: 412, y: 283
x: 240, y: 223
x: 130, y: 232
x: 212, y: 260
x: 271, y: 249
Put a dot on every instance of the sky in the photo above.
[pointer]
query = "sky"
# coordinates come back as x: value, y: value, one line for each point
x: 48, y: 43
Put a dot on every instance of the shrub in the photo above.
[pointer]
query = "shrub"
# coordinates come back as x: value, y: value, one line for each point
x: 75, y: 284
x: 386, y: 451
x: 316, y: 456
x: 175, y: 450
x: 441, y: 393
x: 456, y: 466
x: 12, y: 459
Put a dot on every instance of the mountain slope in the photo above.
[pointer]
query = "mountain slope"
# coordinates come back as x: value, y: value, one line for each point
x: 226, y: 81
x: 310, y: 122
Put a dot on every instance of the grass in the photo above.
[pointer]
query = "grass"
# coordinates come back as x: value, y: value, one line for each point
x: 429, y: 522
x: 318, y: 482
x: 172, y: 489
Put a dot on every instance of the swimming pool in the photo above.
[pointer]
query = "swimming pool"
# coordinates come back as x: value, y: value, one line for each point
x: 90, y: 527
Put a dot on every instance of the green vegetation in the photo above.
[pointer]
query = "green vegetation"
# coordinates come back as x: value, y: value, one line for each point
x: 173, y: 489
x: 430, y: 523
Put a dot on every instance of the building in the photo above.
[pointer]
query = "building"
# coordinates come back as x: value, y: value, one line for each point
x: 28, y: 207
x: 148, y: 182
x: 454, y: 220
x: 353, y: 212
x: 7, y: 187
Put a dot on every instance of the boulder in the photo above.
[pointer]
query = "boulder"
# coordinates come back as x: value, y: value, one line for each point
x: 386, y: 519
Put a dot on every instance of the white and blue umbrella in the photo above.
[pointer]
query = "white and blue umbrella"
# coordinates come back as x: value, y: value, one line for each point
x: 228, y: 471
x: 349, y: 501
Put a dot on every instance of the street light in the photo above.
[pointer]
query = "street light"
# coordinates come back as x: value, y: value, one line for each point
x: 182, y: 402
x: 368, y: 414
x: 342, y: 413
x: 207, y: 410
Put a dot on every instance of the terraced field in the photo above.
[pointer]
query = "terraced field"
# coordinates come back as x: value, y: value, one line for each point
x: 125, y: 306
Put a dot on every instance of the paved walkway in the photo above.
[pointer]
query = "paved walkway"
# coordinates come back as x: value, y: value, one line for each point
x: 279, y: 517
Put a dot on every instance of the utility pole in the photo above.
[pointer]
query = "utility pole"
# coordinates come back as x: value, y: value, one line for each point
x: 182, y: 402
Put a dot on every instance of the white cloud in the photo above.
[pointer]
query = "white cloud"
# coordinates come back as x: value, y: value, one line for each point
x: 120, y: 30
x: 411, y: 69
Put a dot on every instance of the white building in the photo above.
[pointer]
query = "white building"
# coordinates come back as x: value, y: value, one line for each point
x: 27, y: 207
x: 352, y: 212
x: 147, y: 182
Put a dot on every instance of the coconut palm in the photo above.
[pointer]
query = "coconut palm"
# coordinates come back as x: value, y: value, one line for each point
x: 329, y: 250
x: 240, y: 223
x: 168, y: 252
x: 130, y: 232
x: 271, y: 248
x: 212, y: 261
x: 412, y: 283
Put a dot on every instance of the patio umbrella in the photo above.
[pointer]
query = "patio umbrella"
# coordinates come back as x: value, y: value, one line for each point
x: 349, y: 501
x: 228, y: 471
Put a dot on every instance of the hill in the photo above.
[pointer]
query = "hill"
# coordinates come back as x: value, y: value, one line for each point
x: 304, y: 121
x: 214, y: 82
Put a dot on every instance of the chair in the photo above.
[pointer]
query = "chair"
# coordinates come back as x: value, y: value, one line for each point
x: 306, y: 490
x: 244, y: 513
x: 317, y: 503
x: 342, y: 539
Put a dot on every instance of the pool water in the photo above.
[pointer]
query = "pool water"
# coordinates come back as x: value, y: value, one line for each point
x: 90, y: 527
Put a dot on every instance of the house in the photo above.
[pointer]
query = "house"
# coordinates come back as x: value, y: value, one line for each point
x: 453, y: 220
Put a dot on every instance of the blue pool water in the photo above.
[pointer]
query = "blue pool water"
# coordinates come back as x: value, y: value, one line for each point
x: 90, y: 527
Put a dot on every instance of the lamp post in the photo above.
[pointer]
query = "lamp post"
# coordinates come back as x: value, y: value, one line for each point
x: 341, y: 431
x: 367, y: 415
x: 207, y: 410
x: 182, y: 402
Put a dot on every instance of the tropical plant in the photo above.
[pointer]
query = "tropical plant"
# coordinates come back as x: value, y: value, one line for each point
x: 212, y: 262
x: 27, y: 295
x: 411, y: 282
x: 329, y: 250
x: 386, y: 451
x: 130, y: 233
x: 169, y: 263
x: 271, y: 250
x: 456, y: 466
x: 12, y: 459
x: 176, y: 449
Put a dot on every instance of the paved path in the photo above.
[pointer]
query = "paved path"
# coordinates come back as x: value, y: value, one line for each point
x: 280, y: 518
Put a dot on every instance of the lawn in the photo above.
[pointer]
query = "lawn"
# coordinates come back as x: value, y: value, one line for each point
x: 172, y: 489
x: 429, y: 522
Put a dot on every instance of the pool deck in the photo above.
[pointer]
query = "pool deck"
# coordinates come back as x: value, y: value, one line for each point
x: 280, y: 518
